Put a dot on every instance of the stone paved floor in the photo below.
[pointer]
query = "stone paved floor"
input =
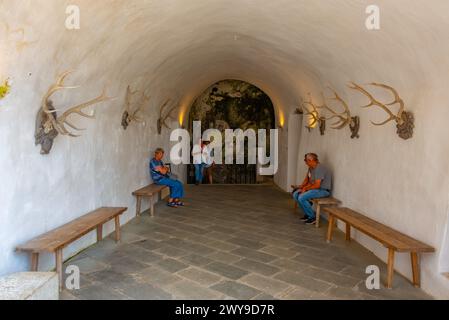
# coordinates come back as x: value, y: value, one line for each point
x: 231, y: 242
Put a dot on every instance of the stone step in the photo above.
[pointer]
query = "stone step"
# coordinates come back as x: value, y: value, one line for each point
x: 29, y: 286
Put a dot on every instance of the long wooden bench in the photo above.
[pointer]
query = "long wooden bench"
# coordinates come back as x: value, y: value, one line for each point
x: 149, y: 192
x: 320, y: 202
x: 56, y: 240
x: 394, y: 240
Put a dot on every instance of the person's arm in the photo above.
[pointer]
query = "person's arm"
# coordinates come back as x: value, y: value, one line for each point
x: 161, y: 169
x: 319, y: 176
x: 312, y: 186
x: 303, y: 184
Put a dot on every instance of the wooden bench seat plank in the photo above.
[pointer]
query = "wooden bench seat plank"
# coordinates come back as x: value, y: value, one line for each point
x: 319, y: 202
x: 149, y: 190
x: 387, y: 236
x: 390, y: 238
x: 326, y: 201
x: 64, y: 235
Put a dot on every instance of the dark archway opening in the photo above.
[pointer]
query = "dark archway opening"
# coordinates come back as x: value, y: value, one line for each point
x: 233, y: 104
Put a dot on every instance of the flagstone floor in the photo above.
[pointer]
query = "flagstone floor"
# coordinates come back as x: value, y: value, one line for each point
x: 230, y: 242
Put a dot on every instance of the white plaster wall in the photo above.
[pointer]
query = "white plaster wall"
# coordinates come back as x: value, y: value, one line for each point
x: 281, y: 176
x: 444, y: 257
x: 294, y: 137
x: 400, y: 183
x: 178, y: 48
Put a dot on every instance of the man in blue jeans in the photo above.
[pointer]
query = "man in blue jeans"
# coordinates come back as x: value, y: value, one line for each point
x: 161, y: 175
x: 317, y: 184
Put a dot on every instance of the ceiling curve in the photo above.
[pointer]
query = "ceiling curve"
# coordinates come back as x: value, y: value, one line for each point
x: 177, y: 48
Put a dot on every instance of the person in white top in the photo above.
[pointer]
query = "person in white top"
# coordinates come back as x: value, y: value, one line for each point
x: 208, y: 161
x: 197, y: 154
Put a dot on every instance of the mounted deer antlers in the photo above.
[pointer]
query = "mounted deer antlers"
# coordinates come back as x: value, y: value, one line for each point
x: 162, y: 119
x: 344, y: 118
x: 314, y: 116
x: 129, y: 116
x: 404, y: 119
x: 49, y: 125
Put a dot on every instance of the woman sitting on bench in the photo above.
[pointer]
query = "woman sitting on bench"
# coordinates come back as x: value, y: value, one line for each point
x: 161, y: 175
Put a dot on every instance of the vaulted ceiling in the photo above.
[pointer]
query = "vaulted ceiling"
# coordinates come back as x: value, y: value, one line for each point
x: 178, y: 48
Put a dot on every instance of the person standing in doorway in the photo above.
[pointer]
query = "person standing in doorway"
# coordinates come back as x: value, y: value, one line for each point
x: 197, y: 154
x: 208, y: 161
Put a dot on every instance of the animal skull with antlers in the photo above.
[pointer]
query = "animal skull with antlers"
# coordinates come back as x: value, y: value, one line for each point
x: 404, y: 119
x: 128, y: 115
x: 344, y: 118
x: 163, y: 118
x: 315, y: 116
x: 49, y: 124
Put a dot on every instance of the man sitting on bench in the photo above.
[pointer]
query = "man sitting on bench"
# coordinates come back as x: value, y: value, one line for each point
x: 160, y: 174
x: 317, y: 184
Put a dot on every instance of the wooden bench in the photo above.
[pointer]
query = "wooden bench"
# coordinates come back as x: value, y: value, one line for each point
x: 56, y: 240
x: 148, y: 191
x: 390, y: 238
x: 319, y: 202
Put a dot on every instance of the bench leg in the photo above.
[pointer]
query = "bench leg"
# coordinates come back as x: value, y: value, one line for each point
x: 152, y: 206
x: 390, y: 268
x: 117, y: 229
x: 330, y: 228
x: 99, y: 233
x: 318, y: 214
x: 416, y: 270
x: 34, y: 262
x: 58, y: 254
x: 138, y: 205
x: 348, y: 232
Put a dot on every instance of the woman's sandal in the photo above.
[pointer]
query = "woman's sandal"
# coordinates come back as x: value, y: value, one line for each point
x: 172, y: 204
x: 180, y: 204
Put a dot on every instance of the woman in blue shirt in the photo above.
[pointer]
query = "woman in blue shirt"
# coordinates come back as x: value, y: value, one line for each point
x: 161, y: 175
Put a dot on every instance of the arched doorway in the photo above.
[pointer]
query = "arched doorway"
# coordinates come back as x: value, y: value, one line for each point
x: 233, y: 104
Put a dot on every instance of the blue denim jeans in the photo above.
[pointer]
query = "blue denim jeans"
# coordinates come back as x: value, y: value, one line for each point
x: 199, y: 172
x: 176, y: 187
x: 303, y: 200
x: 296, y: 194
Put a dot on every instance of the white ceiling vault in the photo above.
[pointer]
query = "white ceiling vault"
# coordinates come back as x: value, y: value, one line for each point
x: 286, y: 47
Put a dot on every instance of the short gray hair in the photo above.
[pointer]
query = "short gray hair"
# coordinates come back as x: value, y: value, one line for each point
x: 314, y: 156
x: 159, y: 150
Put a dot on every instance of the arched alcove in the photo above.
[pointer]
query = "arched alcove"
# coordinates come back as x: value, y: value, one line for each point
x: 233, y: 104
